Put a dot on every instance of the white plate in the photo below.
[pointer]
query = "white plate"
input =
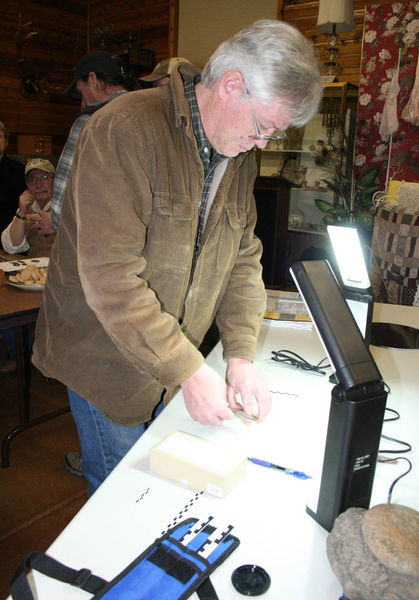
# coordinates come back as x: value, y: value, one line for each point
x: 20, y: 263
x: 33, y: 287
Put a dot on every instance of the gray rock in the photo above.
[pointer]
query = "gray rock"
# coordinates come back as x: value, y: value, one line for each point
x: 375, y: 553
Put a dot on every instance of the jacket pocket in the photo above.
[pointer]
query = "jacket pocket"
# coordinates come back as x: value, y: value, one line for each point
x: 174, y: 205
x: 234, y: 222
x: 170, y: 233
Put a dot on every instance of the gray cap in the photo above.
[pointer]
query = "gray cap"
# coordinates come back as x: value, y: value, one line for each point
x: 39, y: 163
x: 166, y: 67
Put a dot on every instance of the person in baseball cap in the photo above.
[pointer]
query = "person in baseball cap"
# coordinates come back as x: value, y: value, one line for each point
x: 106, y: 66
x: 161, y: 73
x: 22, y: 234
x: 39, y: 176
x: 39, y: 163
x: 99, y: 77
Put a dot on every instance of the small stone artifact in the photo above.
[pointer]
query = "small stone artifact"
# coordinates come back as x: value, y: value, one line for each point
x: 375, y: 553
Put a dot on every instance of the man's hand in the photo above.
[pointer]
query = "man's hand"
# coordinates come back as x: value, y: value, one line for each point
x: 205, y: 396
x: 42, y: 221
x: 25, y: 202
x: 242, y: 378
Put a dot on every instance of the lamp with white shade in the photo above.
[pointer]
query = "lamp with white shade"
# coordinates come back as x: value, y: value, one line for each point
x: 335, y: 16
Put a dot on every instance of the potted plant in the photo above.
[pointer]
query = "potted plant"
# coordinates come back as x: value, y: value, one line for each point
x: 353, y: 203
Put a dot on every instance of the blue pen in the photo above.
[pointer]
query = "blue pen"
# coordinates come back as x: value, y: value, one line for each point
x: 269, y: 465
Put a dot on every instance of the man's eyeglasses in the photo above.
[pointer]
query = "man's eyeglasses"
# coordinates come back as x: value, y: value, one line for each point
x: 38, y: 178
x: 258, y: 135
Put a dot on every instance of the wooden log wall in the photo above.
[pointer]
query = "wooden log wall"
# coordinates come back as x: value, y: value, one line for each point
x: 41, y: 41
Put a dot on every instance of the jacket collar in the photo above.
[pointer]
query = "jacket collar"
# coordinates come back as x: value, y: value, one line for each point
x: 183, y: 114
x: 181, y: 106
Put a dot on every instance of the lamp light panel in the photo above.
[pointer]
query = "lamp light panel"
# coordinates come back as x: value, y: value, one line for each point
x: 349, y: 256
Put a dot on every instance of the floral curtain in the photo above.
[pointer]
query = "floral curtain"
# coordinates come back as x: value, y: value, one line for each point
x: 388, y: 28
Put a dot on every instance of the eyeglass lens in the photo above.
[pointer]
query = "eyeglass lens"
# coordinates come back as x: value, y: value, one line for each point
x: 258, y: 135
x: 37, y: 178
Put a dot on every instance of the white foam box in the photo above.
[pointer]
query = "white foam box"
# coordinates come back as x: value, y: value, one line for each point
x: 198, y: 463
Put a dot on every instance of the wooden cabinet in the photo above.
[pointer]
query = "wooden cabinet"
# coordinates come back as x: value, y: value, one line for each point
x: 272, y: 196
x: 34, y: 144
x: 282, y: 245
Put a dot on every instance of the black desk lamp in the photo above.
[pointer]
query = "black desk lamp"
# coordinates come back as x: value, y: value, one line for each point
x: 358, y: 399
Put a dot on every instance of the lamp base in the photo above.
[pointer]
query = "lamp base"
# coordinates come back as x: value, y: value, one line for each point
x: 392, y: 335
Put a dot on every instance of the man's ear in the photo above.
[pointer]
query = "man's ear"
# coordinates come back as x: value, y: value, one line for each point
x: 93, y: 80
x: 231, y: 85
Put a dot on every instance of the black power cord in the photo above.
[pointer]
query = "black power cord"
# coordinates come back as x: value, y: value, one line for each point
x: 409, y: 468
x: 291, y: 359
x: 406, y: 447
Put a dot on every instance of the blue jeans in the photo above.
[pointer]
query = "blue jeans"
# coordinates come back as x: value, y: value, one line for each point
x: 8, y: 336
x: 102, y: 442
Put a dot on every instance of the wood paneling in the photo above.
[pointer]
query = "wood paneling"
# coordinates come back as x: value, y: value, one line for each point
x: 40, y: 55
x: 65, y: 31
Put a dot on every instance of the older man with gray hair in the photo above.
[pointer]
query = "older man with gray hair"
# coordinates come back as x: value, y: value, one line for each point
x: 162, y: 242
x: 22, y: 233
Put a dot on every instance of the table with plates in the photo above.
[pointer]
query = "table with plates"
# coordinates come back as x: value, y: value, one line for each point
x: 19, y: 310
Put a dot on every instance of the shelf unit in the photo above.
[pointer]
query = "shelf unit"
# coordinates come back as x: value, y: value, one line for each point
x: 332, y: 128
x: 294, y: 170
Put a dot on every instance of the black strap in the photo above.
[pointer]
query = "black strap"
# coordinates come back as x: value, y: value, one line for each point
x: 19, y: 585
x: 20, y: 588
x: 206, y: 590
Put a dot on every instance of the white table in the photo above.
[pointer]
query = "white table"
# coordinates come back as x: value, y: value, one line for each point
x: 267, y: 508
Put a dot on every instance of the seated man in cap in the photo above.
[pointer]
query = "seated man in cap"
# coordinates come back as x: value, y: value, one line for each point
x: 22, y: 234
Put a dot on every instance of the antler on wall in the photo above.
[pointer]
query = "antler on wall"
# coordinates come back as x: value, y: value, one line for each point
x: 21, y: 37
x: 30, y: 84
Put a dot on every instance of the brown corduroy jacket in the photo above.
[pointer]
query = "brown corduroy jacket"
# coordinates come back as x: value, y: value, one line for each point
x: 124, y: 310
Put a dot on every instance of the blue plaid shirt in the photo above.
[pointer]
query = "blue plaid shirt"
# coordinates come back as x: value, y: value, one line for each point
x: 62, y: 173
x: 210, y: 158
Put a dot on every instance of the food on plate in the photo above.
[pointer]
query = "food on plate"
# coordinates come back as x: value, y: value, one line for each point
x: 30, y: 275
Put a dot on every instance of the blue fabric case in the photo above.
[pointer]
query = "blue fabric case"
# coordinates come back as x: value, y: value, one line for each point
x: 168, y: 569
x: 172, y: 568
